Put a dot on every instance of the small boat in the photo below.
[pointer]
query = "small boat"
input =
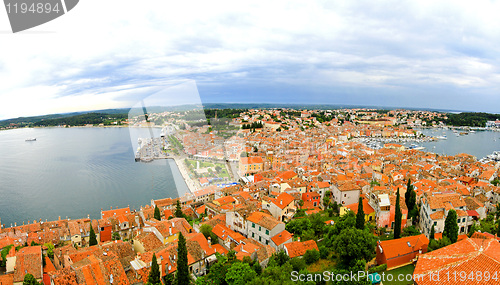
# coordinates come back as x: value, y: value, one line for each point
x: 31, y: 140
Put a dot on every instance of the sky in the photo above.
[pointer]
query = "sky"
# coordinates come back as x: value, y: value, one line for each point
x: 113, y: 53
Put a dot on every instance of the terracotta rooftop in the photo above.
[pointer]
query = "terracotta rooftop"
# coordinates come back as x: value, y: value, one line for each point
x: 468, y: 255
x: 402, y: 246
x: 297, y: 248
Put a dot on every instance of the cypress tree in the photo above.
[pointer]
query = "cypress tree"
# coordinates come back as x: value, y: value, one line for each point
x: 360, y: 216
x: 154, y: 273
x: 92, y: 237
x: 157, y: 213
x: 178, y: 211
x: 431, y: 237
x: 451, y: 226
x: 182, y: 262
x: 397, y: 218
x: 409, y: 188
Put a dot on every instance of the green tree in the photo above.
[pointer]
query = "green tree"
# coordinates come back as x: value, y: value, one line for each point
x: 154, y: 272
x: 50, y: 249
x: 182, y: 263
x: 360, y: 216
x: 298, y: 263
x: 30, y: 280
x: 352, y: 245
x: 297, y: 226
x: 335, y: 207
x: 409, y: 188
x: 324, y: 252
x: 281, y: 257
x: 397, y: 218
x: 451, y: 226
x: 410, y: 231
x: 240, y: 273
x: 157, y: 214
x: 206, y: 230
x: 168, y: 279
x: 116, y: 236
x: 311, y: 256
x: 92, y: 237
x: 326, y: 201
x: 436, y: 244
x: 433, y: 231
x: 178, y: 211
x: 412, y: 206
x: 257, y: 268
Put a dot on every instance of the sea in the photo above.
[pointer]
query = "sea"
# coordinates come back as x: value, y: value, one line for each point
x: 479, y: 143
x: 75, y: 172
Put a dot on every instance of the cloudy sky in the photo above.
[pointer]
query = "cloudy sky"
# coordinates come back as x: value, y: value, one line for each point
x: 107, y: 54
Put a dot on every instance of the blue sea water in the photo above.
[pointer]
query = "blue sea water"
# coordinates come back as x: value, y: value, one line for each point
x: 74, y: 172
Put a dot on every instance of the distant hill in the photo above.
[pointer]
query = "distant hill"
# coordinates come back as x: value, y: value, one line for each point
x: 58, y: 118
x: 471, y: 119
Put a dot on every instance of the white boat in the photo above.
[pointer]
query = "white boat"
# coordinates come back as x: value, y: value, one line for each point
x: 31, y: 140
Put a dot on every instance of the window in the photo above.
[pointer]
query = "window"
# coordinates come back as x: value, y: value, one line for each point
x: 260, y: 228
x: 267, y: 242
x: 253, y: 225
x: 463, y: 220
x: 267, y: 232
x: 260, y: 239
x: 458, y: 221
x: 253, y: 235
x: 435, y: 223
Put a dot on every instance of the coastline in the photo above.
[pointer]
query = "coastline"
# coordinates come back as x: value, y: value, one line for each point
x: 189, y: 182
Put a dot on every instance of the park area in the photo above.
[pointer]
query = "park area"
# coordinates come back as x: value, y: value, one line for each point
x: 199, y: 169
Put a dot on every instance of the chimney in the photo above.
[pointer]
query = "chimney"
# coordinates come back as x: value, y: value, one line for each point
x: 59, y: 218
x: 170, y: 230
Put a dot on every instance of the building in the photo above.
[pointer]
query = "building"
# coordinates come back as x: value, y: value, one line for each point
x: 227, y: 237
x: 435, y: 208
x: 402, y: 251
x: 27, y: 260
x: 282, y: 207
x: 250, y: 165
x: 367, y: 209
x: 346, y: 192
x: 262, y: 227
x: 279, y: 240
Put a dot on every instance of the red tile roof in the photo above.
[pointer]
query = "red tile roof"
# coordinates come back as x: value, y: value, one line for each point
x: 251, y: 160
x: 297, y: 248
x: 7, y: 279
x: 402, y: 246
x: 115, y: 212
x: 283, y: 200
x: 282, y: 237
x: 468, y: 256
x: 28, y: 260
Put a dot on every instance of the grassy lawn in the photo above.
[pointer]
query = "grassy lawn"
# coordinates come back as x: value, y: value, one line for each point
x: 408, y: 269
x: 321, y: 265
